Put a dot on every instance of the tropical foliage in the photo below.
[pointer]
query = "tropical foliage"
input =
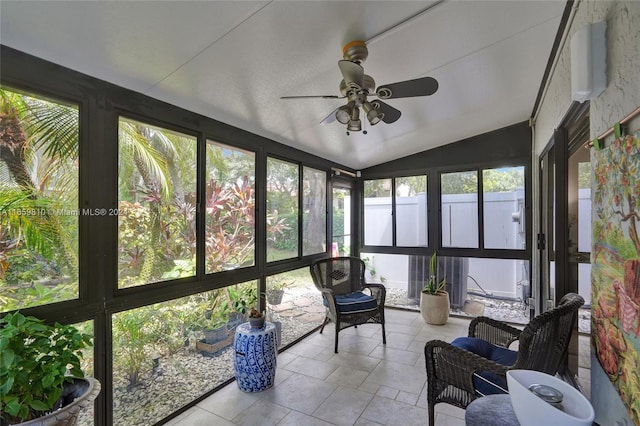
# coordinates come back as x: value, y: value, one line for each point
x: 38, y: 200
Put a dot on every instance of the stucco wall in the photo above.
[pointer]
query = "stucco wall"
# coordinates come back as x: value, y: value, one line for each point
x: 621, y: 96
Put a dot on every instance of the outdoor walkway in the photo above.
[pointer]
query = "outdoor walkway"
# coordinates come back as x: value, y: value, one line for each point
x: 367, y: 383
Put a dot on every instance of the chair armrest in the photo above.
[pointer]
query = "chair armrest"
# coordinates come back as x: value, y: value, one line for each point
x: 450, y: 365
x: 493, y: 331
x: 378, y: 291
x: 327, y: 293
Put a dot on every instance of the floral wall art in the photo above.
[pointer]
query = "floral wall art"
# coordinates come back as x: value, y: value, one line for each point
x: 616, y: 266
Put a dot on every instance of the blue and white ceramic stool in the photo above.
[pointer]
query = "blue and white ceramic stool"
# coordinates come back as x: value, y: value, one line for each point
x: 255, y: 357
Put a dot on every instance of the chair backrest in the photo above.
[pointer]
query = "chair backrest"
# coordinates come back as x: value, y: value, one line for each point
x: 343, y: 275
x: 545, y: 340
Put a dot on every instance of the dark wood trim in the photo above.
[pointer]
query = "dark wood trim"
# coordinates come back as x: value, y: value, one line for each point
x: 552, y: 55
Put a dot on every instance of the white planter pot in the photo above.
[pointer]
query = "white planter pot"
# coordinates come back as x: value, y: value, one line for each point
x: 435, y: 308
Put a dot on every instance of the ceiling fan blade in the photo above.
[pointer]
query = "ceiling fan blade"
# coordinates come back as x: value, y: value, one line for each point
x: 352, y: 73
x: 313, y: 96
x: 330, y: 118
x: 391, y: 115
x: 424, y: 86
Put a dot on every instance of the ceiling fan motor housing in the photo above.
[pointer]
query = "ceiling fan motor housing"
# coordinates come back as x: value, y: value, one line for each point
x: 369, y: 86
x: 355, y: 51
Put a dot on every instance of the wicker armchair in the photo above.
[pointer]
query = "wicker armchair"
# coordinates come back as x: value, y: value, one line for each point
x: 454, y: 374
x: 341, y: 282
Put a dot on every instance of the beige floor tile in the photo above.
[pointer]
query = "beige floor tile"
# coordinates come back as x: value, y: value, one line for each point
x: 360, y: 362
x: 398, y: 340
x: 408, y: 398
x: 396, y: 355
x: 301, y: 393
x: 344, y: 406
x: 229, y: 401
x: 261, y: 413
x: 196, y: 416
x: 296, y: 418
x: 390, y: 412
x: 365, y: 384
x: 347, y: 376
x: 403, y: 377
x: 311, y: 367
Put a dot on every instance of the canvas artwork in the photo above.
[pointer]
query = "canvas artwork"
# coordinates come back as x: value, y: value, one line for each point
x: 616, y: 267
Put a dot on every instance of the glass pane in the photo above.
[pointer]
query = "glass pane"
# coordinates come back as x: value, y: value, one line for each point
x: 314, y: 213
x: 584, y: 208
x: 497, y: 288
x: 459, y: 202
x: 38, y: 201
x: 157, y: 204
x: 504, y: 208
x: 282, y: 210
x: 299, y: 308
x: 411, y: 211
x: 341, y: 241
x: 86, y: 415
x: 377, y: 212
x: 183, y: 345
x: 230, y: 208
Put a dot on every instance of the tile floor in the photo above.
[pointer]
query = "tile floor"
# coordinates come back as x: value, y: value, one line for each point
x: 366, y: 383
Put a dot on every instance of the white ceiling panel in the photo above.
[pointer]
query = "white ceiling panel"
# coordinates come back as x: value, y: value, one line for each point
x: 233, y: 60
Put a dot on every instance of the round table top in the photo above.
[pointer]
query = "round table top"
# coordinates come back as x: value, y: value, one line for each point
x: 245, y: 328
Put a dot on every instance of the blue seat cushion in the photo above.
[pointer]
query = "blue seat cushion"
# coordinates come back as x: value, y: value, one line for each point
x: 487, y: 383
x: 355, y: 302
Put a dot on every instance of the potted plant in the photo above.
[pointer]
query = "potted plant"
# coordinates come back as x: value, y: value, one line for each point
x: 275, y: 293
x: 215, y: 328
x: 256, y: 318
x: 41, y: 380
x: 434, y: 300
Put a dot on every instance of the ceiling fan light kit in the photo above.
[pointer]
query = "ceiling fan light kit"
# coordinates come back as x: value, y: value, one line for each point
x: 356, y: 86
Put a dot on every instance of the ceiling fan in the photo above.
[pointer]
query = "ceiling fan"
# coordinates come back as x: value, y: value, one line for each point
x: 356, y: 87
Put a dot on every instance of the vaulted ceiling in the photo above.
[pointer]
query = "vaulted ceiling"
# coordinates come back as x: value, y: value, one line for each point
x: 233, y: 60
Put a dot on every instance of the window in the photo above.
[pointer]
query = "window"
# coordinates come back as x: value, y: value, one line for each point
x: 503, y: 205
x: 282, y: 210
x: 341, y: 232
x: 459, y: 204
x: 39, y: 213
x: 157, y: 204
x: 314, y: 216
x: 294, y: 302
x: 186, y: 343
x: 377, y: 213
x: 229, y: 208
x: 411, y: 211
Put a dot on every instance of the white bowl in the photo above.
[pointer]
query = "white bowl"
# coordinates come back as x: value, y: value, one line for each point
x: 531, y: 410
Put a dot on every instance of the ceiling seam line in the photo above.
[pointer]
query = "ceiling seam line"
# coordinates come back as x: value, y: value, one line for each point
x: 206, y: 48
x: 487, y: 46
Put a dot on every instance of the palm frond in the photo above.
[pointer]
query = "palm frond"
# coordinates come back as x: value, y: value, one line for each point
x: 135, y: 147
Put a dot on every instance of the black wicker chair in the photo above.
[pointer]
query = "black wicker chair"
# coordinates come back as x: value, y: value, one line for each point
x: 454, y: 374
x: 341, y: 281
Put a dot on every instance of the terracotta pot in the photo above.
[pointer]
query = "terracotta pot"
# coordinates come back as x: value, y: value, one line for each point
x: 435, y: 307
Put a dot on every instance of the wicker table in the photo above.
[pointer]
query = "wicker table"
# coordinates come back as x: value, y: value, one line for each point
x: 494, y: 410
x: 255, y: 356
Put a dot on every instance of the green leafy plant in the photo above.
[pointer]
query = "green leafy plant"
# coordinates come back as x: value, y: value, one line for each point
x: 432, y: 285
x: 37, y: 360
